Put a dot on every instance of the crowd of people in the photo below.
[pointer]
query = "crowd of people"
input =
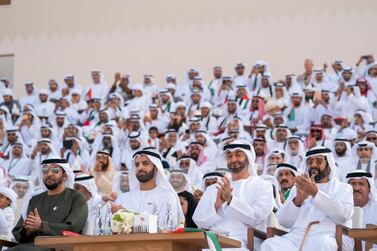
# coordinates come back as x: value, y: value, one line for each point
x: 225, y: 155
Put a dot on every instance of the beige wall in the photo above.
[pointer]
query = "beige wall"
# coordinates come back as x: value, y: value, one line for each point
x: 7, y: 66
x: 52, y: 37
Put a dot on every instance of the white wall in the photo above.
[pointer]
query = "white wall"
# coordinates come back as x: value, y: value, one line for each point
x: 52, y: 37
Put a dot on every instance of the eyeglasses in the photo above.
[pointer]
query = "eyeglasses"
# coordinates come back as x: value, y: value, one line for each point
x: 54, y: 170
x: 318, y: 161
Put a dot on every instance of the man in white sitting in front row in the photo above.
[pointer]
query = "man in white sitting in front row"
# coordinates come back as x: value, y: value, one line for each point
x: 150, y: 190
x: 239, y: 203
x: 315, y: 205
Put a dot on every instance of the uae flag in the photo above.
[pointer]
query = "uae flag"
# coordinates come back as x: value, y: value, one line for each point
x: 88, y: 95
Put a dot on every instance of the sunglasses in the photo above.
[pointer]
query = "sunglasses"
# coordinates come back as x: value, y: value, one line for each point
x: 313, y: 131
x: 317, y: 161
x: 54, y: 170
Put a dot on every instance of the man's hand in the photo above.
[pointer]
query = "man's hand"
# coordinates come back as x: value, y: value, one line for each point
x: 110, y: 197
x: 301, y: 196
x: 219, y: 200
x: 307, y: 184
x: 282, y: 198
x: 115, y: 208
x: 33, y: 222
x: 226, y: 190
x: 198, y: 194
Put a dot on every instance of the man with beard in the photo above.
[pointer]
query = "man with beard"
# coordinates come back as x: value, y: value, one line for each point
x: 280, y: 134
x: 86, y: 185
x: 12, y: 137
x: 209, y: 122
x: 121, y: 183
x: 316, y: 204
x: 59, y: 123
x: 260, y: 148
x: 241, y: 76
x: 44, y: 106
x: 104, y: 172
x: 305, y: 77
x: 297, y: 112
x: 214, y: 84
x: 196, y: 152
x: 150, y: 190
x: 43, y: 150
x: 179, y: 181
x: 363, y: 161
x: 230, y: 114
x: 103, y: 119
x: 285, y: 174
x: 133, y: 144
x: 371, y: 136
x: 343, y: 153
x: 295, y: 149
x: 317, y: 137
x: 23, y: 188
x: 56, y: 209
x: 225, y: 207
x: 18, y: 164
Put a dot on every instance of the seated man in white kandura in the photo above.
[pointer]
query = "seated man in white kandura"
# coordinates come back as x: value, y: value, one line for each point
x: 317, y: 202
x: 150, y: 190
x: 235, y: 204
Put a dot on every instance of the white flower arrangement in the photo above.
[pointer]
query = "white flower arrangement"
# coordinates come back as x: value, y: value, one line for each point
x: 122, y: 221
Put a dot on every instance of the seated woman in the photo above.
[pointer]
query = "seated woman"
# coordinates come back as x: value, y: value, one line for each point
x: 188, y: 204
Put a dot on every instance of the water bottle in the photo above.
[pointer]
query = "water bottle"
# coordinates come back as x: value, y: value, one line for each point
x: 154, y: 209
x: 107, y: 220
x: 168, y: 218
x: 98, y: 223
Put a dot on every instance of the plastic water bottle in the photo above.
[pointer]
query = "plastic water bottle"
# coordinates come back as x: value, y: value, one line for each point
x: 98, y: 223
x: 168, y: 218
x: 107, y: 220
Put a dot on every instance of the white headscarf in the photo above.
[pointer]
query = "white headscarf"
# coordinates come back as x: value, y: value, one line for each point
x: 24, y: 148
x: 185, y: 175
x: 361, y: 174
x: 88, y: 182
x: 327, y: 153
x: 248, y: 149
x: 348, y: 152
x: 301, y: 147
x: 24, y: 180
x: 55, y: 159
x: 285, y: 166
x: 10, y: 194
x: 116, y: 182
x: 364, y: 143
x: 194, y: 172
